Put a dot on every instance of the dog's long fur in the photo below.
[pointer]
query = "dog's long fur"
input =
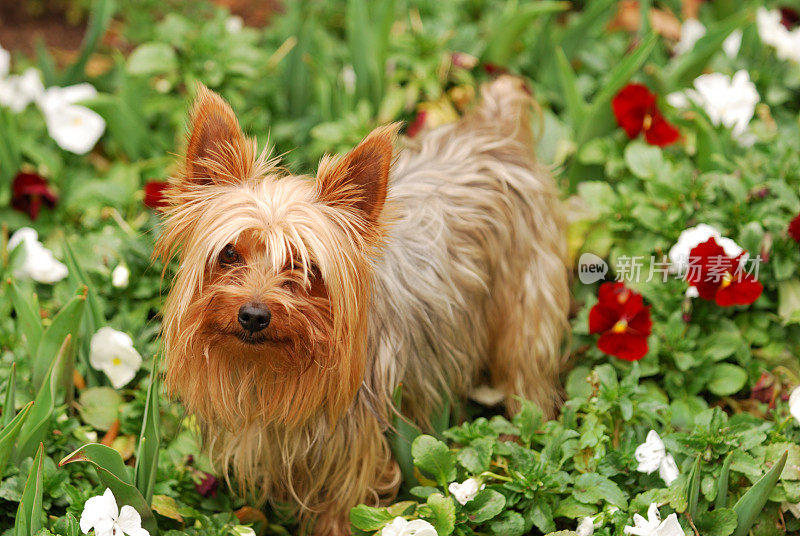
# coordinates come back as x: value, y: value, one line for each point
x: 454, y: 272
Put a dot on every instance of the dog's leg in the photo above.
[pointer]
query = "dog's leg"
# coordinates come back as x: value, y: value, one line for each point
x: 527, y: 319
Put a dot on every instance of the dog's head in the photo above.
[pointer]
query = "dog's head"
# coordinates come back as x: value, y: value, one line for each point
x: 266, y: 318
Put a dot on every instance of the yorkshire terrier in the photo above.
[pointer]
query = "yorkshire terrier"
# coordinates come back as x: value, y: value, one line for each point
x: 301, y: 303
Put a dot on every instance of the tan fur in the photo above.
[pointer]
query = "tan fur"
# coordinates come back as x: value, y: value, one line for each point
x: 435, y: 269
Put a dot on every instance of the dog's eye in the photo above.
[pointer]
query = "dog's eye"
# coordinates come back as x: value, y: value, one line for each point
x: 229, y: 255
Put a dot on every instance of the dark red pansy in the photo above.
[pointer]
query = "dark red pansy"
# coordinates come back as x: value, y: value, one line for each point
x: 29, y: 191
x: 789, y: 17
x: 154, y: 194
x: 208, y: 485
x: 636, y: 112
x: 623, y: 321
x: 416, y: 125
x: 764, y: 389
x: 719, y: 278
x: 794, y: 229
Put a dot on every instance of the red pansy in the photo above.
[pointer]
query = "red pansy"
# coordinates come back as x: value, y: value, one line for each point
x: 29, y: 191
x: 719, y: 278
x: 636, y: 112
x: 794, y: 229
x: 154, y: 194
x: 207, y: 487
x: 623, y: 321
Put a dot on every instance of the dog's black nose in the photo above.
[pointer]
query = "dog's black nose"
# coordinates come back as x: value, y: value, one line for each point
x: 254, y: 317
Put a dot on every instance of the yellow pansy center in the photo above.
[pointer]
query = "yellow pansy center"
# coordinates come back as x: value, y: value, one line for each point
x: 648, y: 121
x: 620, y: 326
x: 116, y: 361
x: 726, y: 280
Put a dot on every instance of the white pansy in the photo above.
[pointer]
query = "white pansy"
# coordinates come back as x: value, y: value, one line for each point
x: 402, y: 527
x: 120, y: 276
x: 794, y: 404
x: 243, y: 530
x: 38, y: 263
x: 465, y: 491
x: 694, y: 236
x: 5, y: 62
x: 18, y: 91
x: 785, y: 42
x: 729, y: 101
x: 692, y: 292
x: 732, y: 44
x: 691, y: 32
x: 652, y: 456
x: 112, y: 352
x: 653, y: 526
x: 234, y: 24
x: 585, y: 527
x: 678, y: 99
x: 101, y: 514
x: 74, y: 128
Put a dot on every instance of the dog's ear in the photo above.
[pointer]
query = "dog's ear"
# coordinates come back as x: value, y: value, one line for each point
x: 216, y: 147
x: 359, y: 179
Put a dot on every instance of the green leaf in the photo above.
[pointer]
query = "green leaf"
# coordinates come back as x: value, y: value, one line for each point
x: 152, y: 58
x: 30, y: 325
x: 591, y: 488
x: 37, y: 425
x: 433, y: 457
x: 149, y: 440
x: 789, y: 301
x: 508, y: 524
x: 369, y: 519
x: 29, y: 512
x: 722, y: 486
x: 113, y: 474
x: 598, y: 195
x: 726, y: 379
x: 9, y: 433
x: 443, y: 511
x: 720, y: 522
x: 486, y: 505
x: 750, y: 505
x: 528, y: 420
x: 645, y: 161
x: 66, y: 322
x: 476, y: 457
x: 99, y: 407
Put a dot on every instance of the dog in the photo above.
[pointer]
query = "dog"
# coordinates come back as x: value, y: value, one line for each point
x: 301, y: 303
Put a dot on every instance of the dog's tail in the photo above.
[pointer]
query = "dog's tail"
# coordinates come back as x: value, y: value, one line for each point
x: 506, y: 105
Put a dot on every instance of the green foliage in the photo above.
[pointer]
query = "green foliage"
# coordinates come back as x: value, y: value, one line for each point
x: 316, y: 80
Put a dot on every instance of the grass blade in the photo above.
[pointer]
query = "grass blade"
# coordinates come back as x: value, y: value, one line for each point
x: 575, y: 105
x: 9, y: 433
x: 9, y: 400
x: 752, y: 502
x: 99, y: 18
x: 694, y: 488
x: 401, y: 436
x: 38, y: 424
x: 149, y: 440
x: 28, y: 319
x: 510, y: 26
x: 29, y: 512
x: 722, y: 486
x: 598, y: 117
x: 66, y: 322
